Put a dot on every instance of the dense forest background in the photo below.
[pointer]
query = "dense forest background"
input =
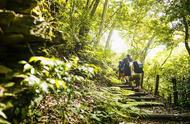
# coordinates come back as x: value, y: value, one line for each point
x: 57, y: 62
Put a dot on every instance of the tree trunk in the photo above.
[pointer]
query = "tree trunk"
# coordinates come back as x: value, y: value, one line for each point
x: 102, y: 22
x: 166, y: 58
x: 156, y: 92
x: 186, y: 35
x: 175, y: 92
x: 88, y: 9
x: 107, y: 45
x: 142, y: 80
x: 96, y: 2
x: 144, y: 52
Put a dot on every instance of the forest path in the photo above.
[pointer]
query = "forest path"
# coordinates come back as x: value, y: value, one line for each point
x: 152, y: 109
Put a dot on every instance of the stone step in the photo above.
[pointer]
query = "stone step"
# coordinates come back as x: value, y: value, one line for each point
x: 139, y: 94
x: 183, y: 117
x: 144, y: 98
x: 146, y: 104
x: 134, y: 89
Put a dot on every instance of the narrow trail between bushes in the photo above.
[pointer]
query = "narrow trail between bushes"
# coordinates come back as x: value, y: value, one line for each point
x: 152, y: 110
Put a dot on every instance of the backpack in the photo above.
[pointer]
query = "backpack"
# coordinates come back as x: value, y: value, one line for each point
x: 122, y: 65
x: 138, y: 67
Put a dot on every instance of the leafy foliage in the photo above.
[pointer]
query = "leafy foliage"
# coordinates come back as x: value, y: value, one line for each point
x: 5, y: 93
x: 50, y: 74
x: 182, y: 76
x: 70, y: 89
x: 3, y: 105
x: 176, y: 67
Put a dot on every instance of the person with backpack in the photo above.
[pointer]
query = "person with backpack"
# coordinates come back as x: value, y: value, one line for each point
x: 137, y: 73
x: 124, y: 67
x: 137, y: 67
x: 121, y: 68
x: 131, y: 70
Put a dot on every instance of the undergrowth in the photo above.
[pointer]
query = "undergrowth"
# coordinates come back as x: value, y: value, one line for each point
x: 49, y: 90
x: 71, y: 93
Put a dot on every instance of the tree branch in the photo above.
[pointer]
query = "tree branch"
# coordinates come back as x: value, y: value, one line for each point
x: 166, y: 58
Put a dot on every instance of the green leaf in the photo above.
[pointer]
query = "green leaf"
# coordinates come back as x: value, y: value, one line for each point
x: 32, y: 71
x: 60, y: 84
x: 9, y: 105
x: 3, y: 121
x: 2, y: 114
x: 20, y: 76
x: 10, y: 84
x: 32, y: 80
x: 64, y: 84
x: 27, y: 67
x: 95, y: 117
x: 46, y: 73
x: 2, y: 106
x: 68, y: 66
x: 35, y: 59
x: 57, y: 84
x: 44, y: 86
x: 22, y: 62
x: 8, y: 94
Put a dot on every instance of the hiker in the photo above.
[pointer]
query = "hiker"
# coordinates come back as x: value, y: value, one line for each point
x: 121, y: 69
x: 131, y: 71
x: 124, y: 68
x: 137, y: 67
x: 137, y: 71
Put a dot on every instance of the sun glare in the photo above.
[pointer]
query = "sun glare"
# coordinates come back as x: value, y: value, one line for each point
x: 118, y: 44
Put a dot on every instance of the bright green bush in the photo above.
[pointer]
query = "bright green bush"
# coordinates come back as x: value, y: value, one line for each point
x: 50, y: 74
x: 39, y: 77
x: 177, y: 66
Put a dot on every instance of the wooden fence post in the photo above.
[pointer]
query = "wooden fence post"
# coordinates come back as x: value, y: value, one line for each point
x: 156, y: 85
x: 169, y: 99
x: 175, y: 92
x: 142, y: 78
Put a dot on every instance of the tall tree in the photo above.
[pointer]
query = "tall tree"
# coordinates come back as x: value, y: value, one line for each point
x: 102, y: 22
x: 108, y: 41
x: 87, y: 15
x: 179, y: 11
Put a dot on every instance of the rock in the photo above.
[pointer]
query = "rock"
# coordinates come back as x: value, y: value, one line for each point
x: 21, y: 6
x: 21, y: 24
x: 12, y: 39
x: 21, y: 19
x: 23, y: 29
x: 6, y: 17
